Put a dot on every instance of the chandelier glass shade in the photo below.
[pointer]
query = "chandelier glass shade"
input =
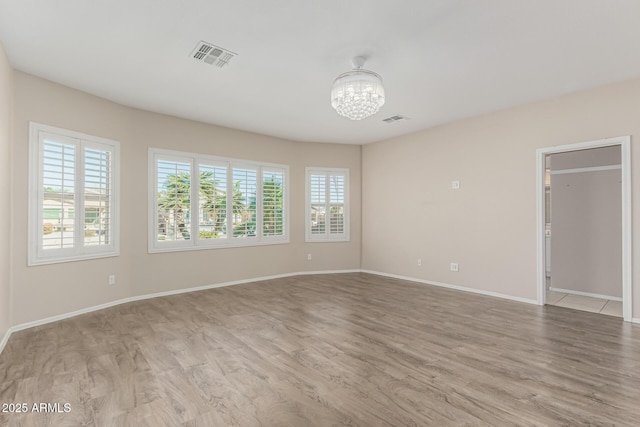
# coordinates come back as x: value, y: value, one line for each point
x: 357, y: 94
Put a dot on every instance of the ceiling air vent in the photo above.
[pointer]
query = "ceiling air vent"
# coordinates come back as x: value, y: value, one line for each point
x: 394, y: 119
x: 211, y: 54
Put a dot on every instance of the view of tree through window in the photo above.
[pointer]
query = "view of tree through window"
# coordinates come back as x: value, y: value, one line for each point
x: 174, y: 200
x: 244, y: 202
x: 272, y: 203
x: 230, y: 204
x: 213, y: 202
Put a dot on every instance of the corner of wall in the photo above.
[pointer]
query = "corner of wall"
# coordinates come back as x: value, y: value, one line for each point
x: 361, y: 206
x: 6, y: 136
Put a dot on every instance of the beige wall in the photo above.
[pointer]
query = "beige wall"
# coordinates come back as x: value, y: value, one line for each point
x: 6, y: 111
x: 49, y: 290
x: 488, y: 226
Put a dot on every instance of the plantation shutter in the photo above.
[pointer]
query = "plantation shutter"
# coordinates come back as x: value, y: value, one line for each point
x: 98, y: 193
x: 318, y: 204
x: 272, y: 203
x: 327, y: 205
x: 213, y: 201
x: 58, y: 174
x: 336, y: 204
x: 173, y: 199
x: 244, y: 202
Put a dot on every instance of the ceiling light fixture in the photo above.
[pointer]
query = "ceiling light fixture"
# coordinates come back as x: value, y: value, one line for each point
x: 357, y: 94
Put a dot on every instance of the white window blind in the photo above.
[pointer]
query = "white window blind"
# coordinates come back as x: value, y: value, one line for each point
x: 336, y: 204
x: 245, y: 183
x: 98, y: 194
x: 73, y: 196
x: 227, y: 203
x: 327, y: 213
x: 213, y: 201
x: 173, y: 199
x: 59, y: 178
x: 318, y: 212
x: 273, y: 203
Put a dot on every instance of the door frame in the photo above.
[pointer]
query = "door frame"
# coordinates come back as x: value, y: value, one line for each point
x: 627, y: 261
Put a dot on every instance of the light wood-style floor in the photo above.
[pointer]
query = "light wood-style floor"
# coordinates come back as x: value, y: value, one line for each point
x: 327, y: 350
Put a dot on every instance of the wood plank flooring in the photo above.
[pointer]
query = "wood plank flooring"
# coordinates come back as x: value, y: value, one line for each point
x: 326, y: 350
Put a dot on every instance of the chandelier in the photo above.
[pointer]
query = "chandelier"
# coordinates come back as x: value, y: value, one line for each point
x: 357, y: 94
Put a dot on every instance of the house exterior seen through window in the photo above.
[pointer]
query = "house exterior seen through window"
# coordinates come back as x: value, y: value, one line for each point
x: 73, y: 205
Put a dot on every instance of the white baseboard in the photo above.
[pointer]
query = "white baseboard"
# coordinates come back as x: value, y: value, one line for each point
x: 304, y: 273
x: 586, y: 294
x: 63, y: 316
x: 5, y: 339
x: 635, y: 320
x: 232, y: 283
x: 58, y: 317
x: 456, y: 287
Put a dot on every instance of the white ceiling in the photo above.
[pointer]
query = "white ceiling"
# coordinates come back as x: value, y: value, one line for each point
x: 441, y: 60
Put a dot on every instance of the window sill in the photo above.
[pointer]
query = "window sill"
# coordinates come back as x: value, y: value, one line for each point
x: 159, y: 249
x: 83, y: 257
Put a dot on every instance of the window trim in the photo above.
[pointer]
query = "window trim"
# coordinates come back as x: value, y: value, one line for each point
x: 195, y: 159
x: 36, y: 255
x: 327, y: 237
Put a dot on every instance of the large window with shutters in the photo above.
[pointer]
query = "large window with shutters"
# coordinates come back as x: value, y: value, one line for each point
x: 73, y: 203
x: 327, y: 205
x: 200, y: 202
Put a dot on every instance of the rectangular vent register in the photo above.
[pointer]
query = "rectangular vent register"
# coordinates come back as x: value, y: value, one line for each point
x: 212, y: 55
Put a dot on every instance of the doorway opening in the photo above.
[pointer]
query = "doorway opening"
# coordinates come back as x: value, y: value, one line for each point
x: 590, y: 256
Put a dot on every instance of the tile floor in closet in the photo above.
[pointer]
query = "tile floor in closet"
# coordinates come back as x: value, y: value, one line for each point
x: 584, y: 303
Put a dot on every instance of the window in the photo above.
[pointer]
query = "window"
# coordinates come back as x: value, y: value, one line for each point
x: 73, y: 211
x: 272, y: 202
x: 327, y: 213
x: 200, y: 202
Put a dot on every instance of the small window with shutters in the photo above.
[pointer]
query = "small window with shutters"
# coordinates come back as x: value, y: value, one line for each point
x: 73, y: 210
x: 327, y: 204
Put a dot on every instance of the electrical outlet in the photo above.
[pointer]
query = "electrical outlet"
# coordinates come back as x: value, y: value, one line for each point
x: 419, y: 262
x: 454, y: 266
x: 112, y: 279
x: 308, y: 257
x: 455, y: 185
